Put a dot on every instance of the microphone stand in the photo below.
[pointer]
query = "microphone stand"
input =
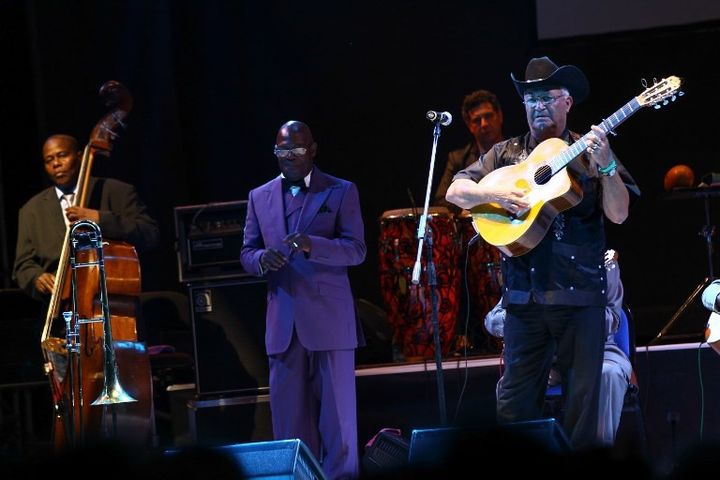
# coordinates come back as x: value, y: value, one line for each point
x: 425, y: 234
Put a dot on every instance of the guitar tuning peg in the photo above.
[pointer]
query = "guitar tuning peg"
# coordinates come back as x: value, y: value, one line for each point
x: 673, y: 98
x: 665, y: 102
x: 656, y: 107
x: 681, y: 93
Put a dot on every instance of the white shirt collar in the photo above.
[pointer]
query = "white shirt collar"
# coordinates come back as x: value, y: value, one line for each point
x: 307, y: 177
x: 60, y: 194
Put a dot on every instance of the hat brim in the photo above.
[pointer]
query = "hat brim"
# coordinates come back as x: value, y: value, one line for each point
x: 568, y: 76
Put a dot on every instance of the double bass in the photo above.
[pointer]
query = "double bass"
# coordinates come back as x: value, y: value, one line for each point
x: 99, y: 373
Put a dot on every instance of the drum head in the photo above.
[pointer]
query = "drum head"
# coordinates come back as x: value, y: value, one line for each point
x: 411, y: 212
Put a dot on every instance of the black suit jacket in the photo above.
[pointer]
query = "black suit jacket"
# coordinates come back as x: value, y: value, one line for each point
x: 41, y: 228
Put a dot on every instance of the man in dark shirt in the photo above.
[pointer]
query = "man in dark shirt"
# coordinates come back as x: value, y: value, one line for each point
x: 554, y: 291
x: 483, y: 117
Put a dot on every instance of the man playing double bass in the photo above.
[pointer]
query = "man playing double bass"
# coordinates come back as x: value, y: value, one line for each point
x: 122, y: 217
x: 114, y: 205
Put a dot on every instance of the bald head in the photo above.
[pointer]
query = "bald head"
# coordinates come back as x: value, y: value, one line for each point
x: 294, y: 129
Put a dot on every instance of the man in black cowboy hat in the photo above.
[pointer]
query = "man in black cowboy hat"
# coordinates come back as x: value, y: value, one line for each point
x: 554, y: 291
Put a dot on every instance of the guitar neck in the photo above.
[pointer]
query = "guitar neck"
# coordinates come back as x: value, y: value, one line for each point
x: 608, y: 125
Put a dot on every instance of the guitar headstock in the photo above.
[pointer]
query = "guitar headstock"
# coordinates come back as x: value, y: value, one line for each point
x: 667, y: 88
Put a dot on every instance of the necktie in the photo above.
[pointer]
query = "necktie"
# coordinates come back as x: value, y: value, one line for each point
x: 65, y: 202
x: 294, y: 187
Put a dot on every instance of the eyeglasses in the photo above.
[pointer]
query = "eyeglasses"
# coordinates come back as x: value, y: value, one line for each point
x: 296, y: 152
x: 546, y: 100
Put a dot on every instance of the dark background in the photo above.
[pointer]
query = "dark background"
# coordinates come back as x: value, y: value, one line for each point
x: 212, y: 81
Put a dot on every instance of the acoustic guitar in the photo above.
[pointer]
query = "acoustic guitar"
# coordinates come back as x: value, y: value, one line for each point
x: 550, y: 189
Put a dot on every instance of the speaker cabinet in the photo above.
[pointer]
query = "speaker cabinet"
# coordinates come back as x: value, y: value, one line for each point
x: 546, y: 432
x: 277, y: 459
x: 434, y: 447
x: 228, y: 322
x: 272, y: 460
x: 445, y: 447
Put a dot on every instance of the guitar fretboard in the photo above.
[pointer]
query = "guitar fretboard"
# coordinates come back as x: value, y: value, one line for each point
x: 608, y: 125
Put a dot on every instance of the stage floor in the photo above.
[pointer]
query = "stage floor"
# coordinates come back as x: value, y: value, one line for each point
x: 678, y: 393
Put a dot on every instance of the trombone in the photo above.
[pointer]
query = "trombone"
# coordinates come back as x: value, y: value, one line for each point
x: 86, y: 235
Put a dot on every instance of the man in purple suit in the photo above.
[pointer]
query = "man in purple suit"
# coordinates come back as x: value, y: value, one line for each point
x: 303, y: 229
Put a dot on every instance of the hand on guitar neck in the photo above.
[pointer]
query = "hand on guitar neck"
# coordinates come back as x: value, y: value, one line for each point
x: 598, y: 147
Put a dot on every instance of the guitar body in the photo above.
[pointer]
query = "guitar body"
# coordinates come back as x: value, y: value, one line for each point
x: 513, y: 235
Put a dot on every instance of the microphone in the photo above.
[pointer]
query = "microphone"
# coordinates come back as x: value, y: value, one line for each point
x: 711, y: 296
x: 443, y: 118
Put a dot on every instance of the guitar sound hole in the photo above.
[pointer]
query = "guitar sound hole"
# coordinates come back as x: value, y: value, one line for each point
x: 542, y: 175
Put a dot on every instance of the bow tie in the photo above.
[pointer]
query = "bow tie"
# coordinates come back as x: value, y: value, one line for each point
x: 287, y: 184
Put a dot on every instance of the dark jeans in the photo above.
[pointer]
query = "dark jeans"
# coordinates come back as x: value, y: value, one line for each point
x: 534, y: 333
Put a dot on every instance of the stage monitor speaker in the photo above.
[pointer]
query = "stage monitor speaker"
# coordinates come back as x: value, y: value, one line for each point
x: 433, y: 447
x: 443, y: 447
x: 546, y: 432
x: 387, y: 453
x: 279, y: 459
x: 228, y: 323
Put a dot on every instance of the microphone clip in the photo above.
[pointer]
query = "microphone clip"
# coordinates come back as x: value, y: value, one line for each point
x: 443, y: 118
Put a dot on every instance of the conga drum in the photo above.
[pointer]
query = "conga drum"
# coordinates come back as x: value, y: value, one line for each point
x: 409, y: 306
x: 484, y: 282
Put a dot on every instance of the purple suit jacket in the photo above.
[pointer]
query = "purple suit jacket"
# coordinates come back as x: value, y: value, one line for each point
x: 311, y: 292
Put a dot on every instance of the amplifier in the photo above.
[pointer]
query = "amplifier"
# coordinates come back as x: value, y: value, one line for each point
x: 228, y: 324
x: 209, y: 238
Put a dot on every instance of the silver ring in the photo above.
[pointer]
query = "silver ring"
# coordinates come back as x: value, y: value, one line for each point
x: 295, y: 245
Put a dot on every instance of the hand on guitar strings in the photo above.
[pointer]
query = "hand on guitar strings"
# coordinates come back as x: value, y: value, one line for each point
x: 513, y: 201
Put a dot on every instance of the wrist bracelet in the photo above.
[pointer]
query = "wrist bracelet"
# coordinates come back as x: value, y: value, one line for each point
x: 608, y: 171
